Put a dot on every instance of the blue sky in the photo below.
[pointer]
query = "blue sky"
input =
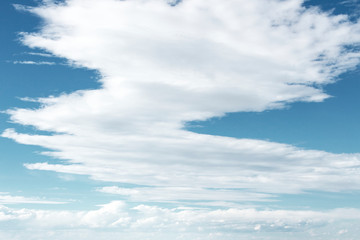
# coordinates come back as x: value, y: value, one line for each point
x: 125, y: 119
x: 329, y: 126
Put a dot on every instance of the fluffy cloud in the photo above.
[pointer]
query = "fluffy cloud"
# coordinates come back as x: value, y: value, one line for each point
x: 103, y: 217
x: 163, y: 66
x: 116, y: 219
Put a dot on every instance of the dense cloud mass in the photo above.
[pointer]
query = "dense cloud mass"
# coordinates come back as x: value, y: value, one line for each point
x: 163, y: 65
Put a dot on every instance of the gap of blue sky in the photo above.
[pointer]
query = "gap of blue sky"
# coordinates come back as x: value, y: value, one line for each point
x: 330, y: 126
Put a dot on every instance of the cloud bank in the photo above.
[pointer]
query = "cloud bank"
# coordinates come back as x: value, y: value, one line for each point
x: 116, y: 219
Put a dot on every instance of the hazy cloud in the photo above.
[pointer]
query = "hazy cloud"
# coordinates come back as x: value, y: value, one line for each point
x: 5, y: 198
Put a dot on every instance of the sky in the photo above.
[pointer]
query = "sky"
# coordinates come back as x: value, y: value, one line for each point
x: 192, y: 119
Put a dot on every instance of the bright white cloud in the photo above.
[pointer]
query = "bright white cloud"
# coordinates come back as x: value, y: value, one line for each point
x: 163, y: 66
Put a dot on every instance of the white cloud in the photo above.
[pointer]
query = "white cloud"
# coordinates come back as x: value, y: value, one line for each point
x: 5, y: 198
x: 34, y: 62
x: 103, y: 217
x: 195, y: 195
x: 350, y: 2
x: 116, y: 219
x: 40, y: 54
x: 189, y: 160
x: 163, y: 66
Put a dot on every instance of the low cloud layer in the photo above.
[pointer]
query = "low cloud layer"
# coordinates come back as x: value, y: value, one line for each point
x: 116, y: 219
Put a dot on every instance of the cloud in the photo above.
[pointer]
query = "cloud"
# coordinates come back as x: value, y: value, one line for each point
x: 117, y: 219
x: 197, y: 196
x: 195, y: 161
x: 103, y: 217
x: 350, y: 2
x: 5, y: 198
x: 163, y: 66
x: 40, y: 54
x: 34, y: 62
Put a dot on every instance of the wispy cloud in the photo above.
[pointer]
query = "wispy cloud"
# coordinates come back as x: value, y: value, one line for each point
x: 5, y: 198
x: 193, y: 195
x: 34, y: 62
x: 349, y: 2
x: 39, y: 54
